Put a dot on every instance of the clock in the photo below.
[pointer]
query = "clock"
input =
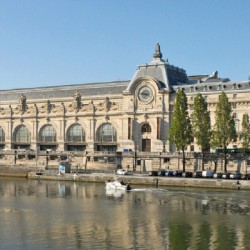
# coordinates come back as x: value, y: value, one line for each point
x: 145, y: 94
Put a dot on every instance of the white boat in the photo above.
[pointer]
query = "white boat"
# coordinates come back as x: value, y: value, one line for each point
x: 117, y: 185
x: 115, y: 192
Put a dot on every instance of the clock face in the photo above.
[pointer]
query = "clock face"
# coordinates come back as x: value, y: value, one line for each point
x: 145, y: 94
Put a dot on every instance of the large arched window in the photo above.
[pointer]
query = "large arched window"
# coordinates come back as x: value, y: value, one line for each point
x: 146, y: 128
x: 106, y: 133
x: 2, y: 137
x: 22, y: 135
x: 48, y: 134
x: 76, y: 133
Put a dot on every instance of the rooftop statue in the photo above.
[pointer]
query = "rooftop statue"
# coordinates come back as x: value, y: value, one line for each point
x: 157, y: 53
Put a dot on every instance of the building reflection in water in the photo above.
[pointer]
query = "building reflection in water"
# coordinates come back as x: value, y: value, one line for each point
x: 47, y: 214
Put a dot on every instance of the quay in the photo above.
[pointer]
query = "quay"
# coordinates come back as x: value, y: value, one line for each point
x: 133, y: 179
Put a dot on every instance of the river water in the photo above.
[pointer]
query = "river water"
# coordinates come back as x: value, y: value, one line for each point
x: 67, y: 215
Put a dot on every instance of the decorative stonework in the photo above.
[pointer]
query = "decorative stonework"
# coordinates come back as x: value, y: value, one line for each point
x: 77, y: 104
x: 22, y: 103
x: 89, y: 107
x: 103, y: 106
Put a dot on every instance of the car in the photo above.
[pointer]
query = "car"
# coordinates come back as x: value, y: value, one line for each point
x: 226, y: 176
x: 236, y: 176
x: 169, y: 173
x: 121, y: 171
x: 247, y: 176
x: 217, y: 175
x: 187, y: 174
x: 177, y: 173
x: 153, y: 173
x: 161, y: 172
x: 197, y: 174
x: 207, y: 174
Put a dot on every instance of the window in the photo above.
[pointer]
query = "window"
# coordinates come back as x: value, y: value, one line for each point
x: 235, y: 115
x: 76, y: 133
x: 22, y: 134
x: 2, y: 137
x: 146, y: 128
x: 48, y: 134
x: 158, y: 128
x: 129, y: 128
x: 234, y: 105
x: 106, y: 133
x: 234, y: 96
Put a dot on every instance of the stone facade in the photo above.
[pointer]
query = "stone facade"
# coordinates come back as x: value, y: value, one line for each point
x: 132, y: 117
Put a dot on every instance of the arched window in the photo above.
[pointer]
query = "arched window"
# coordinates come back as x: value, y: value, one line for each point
x: 48, y: 134
x: 146, y: 128
x: 22, y: 134
x: 2, y: 137
x: 76, y: 133
x: 106, y: 133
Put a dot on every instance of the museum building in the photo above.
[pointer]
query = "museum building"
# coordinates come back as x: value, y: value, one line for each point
x: 119, y: 116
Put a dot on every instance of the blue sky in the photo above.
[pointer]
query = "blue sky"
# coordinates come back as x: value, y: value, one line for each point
x: 57, y: 42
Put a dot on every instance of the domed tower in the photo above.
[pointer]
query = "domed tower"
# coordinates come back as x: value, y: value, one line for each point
x: 146, y: 101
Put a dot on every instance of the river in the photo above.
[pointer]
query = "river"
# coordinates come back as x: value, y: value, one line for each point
x: 76, y: 215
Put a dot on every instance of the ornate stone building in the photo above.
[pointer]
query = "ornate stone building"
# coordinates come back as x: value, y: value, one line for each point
x: 121, y: 116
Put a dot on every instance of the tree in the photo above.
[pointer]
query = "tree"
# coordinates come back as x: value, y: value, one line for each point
x: 180, y: 132
x: 224, y: 128
x: 201, y: 124
x: 245, y: 134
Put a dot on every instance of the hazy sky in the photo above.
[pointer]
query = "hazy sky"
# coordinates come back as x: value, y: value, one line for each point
x: 57, y: 42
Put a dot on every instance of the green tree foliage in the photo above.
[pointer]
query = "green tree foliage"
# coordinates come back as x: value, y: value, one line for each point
x: 245, y: 134
x: 180, y: 132
x: 224, y: 128
x: 201, y: 124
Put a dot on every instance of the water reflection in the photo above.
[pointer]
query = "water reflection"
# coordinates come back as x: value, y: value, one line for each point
x: 54, y: 215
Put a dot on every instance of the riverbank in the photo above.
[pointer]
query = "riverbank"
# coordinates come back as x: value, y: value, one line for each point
x: 133, y: 179
x: 138, y: 179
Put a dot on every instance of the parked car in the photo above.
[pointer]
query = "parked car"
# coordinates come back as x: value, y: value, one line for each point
x: 153, y: 173
x: 207, y: 173
x: 226, y: 176
x: 187, y: 174
x: 217, y: 175
x: 197, y: 174
x: 169, y: 173
x: 121, y: 171
x: 247, y: 176
x: 236, y: 176
x: 161, y: 172
x: 177, y: 173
